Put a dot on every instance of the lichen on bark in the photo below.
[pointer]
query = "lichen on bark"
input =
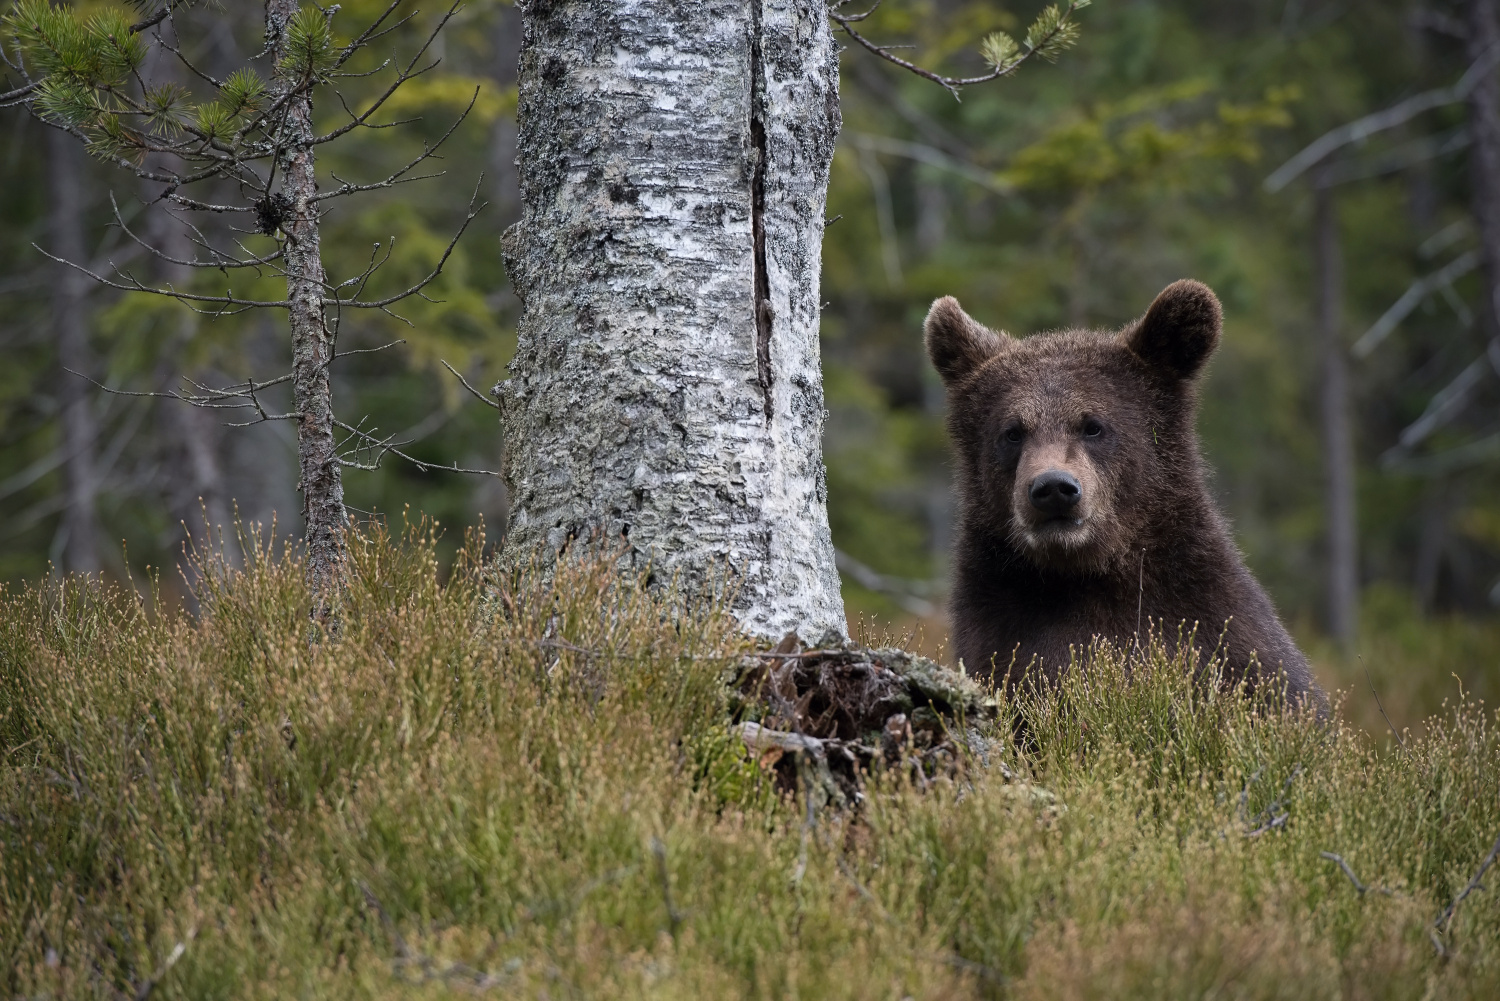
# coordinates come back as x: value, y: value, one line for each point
x: 312, y: 341
x: 666, y: 394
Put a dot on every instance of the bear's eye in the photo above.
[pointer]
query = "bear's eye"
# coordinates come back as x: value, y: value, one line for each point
x: 1092, y: 428
x: 1013, y: 434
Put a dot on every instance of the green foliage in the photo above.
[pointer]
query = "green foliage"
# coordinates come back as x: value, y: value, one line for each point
x: 97, y: 50
x: 998, y: 49
x: 241, y: 96
x: 84, y: 59
x: 310, y: 50
x: 1054, y: 31
x: 1151, y: 138
x: 530, y: 786
x: 243, y: 91
x: 143, y: 342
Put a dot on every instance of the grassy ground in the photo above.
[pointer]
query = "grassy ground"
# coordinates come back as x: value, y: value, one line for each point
x: 534, y: 793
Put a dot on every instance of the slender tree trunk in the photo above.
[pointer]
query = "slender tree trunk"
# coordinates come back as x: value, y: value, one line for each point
x: 1338, y: 442
x: 666, y: 391
x: 322, y: 486
x: 1431, y: 542
x: 69, y: 314
x: 1484, y: 159
x: 197, y: 495
x: 506, y: 195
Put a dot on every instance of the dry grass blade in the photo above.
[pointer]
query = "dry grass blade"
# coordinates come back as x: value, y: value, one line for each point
x: 540, y: 784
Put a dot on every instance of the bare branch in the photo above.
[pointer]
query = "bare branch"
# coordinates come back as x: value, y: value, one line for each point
x: 155, y: 19
x: 1394, y: 733
x: 1389, y: 162
x: 933, y: 157
x: 1474, y: 884
x: 347, y: 188
x: 1403, y: 307
x: 383, y: 445
x: 1389, y: 118
x: 408, y: 73
x: 369, y: 34
x: 911, y: 595
x: 197, y: 206
x: 221, y: 261
x: 1448, y: 402
x: 20, y: 95
x: 949, y: 83
x: 209, y: 398
x: 1359, y: 887
x: 1268, y: 819
x: 359, y: 76
x: 367, y: 351
x: 475, y: 207
x: 187, y: 63
x: 228, y: 301
x: 477, y: 395
x: 1472, y: 454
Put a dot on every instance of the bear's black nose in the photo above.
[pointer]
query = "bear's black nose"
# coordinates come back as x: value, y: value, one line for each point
x: 1055, y: 492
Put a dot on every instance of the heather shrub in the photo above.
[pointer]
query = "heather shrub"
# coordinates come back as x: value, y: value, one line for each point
x: 530, y: 787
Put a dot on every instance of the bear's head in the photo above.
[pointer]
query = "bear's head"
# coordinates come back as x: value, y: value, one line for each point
x: 1071, y: 445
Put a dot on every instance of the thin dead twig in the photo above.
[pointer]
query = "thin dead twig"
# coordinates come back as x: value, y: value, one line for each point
x: 674, y: 916
x: 383, y: 445
x: 1359, y: 887
x: 477, y: 395
x: 949, y: 83
x: 428, y: 152
x: 1474, y: 884
x: 144, y: 990
x: 427, y: 967
x: 1394, y: 733
x: 1268, y: 819
x: 226, y: 302
x: 475, y: 207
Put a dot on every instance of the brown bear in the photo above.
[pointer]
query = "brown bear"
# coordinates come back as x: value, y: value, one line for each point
x: 1083, y: 508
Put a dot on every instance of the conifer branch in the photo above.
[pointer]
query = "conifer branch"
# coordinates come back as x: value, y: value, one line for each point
x: 1054, y: 30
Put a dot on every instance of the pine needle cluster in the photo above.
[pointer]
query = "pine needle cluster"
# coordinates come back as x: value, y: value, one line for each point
x: 1052, y: 33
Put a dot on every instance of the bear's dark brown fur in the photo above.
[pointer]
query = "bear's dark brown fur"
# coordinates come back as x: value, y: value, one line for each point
x: 1084, y: 511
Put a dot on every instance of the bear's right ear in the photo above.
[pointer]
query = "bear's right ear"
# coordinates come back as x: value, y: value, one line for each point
x: 956, y: 343
x: 1179, y: 331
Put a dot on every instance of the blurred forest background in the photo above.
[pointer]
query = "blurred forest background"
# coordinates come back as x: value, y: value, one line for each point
x: 1066, y: 196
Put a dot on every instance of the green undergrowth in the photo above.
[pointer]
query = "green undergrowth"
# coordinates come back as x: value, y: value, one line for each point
x: 531, y: 789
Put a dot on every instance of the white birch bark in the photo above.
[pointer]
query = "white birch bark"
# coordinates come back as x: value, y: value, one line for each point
x: 667, y: 391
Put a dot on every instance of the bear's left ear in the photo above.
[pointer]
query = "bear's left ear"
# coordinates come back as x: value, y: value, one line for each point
x: 1179, y: 331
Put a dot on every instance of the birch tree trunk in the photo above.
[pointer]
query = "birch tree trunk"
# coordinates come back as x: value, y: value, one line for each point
x: 323, y: 513
x: 80, y: 521
x: 666, y: 392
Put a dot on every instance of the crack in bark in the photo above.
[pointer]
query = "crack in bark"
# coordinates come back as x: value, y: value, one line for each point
x: 763, y: 312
